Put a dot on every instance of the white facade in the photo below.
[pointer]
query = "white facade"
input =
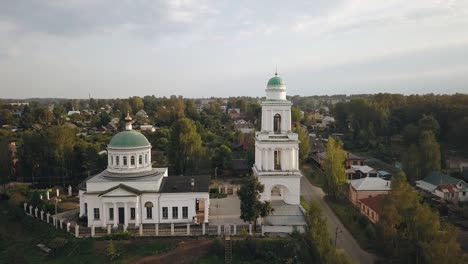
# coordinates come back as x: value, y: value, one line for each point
x: 131, y: 192
x: 277, y: 149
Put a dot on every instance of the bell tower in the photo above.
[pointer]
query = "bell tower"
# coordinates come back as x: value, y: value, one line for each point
x: 277, y: 147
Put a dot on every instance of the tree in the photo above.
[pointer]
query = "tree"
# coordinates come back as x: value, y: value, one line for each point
x: 5, y: 117
x: 295, y: 114
x: 429, y: 123
x: 136, y: 103
x: 334, y: 170
x: 251, y: 206
x: 411, y: 162
x: 223, y: 157
x: 185, y: 145
x: 430, y: 152
x: 411, y: 232
x: 304, y: 145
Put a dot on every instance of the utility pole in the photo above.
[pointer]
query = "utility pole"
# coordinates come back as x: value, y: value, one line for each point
x: 336, y: 234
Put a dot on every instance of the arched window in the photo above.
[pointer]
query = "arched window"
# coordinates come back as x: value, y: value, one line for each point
x: 140, y: 159
x: 277, y: 123
x: 117, y: 160
x: 149, y: 210
x: 132, y: 160
x: 125, y: 161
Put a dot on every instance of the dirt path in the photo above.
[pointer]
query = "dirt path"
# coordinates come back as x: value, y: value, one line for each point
x: 186, y: 252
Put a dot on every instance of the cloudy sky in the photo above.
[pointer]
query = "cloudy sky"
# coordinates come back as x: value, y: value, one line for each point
x: 201, y: 48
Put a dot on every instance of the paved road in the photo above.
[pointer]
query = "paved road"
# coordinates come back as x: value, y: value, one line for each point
x: 345, y: 239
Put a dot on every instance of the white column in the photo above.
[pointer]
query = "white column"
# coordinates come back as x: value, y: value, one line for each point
x: 115, y: 215
x: 137, y: 211
x: 104, y: 215
x: 291, y: 159
x: 262, y: 159
x: 297, y: 158
x: 126, y: 214
x: 207, y: 206
x: 128, y: 161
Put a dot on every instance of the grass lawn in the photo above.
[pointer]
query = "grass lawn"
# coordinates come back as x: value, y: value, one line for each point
x: 313, y: 173
x: 19, y: 235
x: 359, y: 226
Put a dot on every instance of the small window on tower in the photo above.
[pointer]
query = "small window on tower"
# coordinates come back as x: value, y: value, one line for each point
x: 140, y: 159
x: 132, y: 160
x: 117, y: 160
x: 125, y: 161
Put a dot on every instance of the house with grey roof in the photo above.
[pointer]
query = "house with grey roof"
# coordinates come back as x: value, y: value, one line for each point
x: 367, y: 187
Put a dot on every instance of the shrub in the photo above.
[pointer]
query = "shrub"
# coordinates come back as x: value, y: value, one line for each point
x: 125, y: 235
x: 218, y: 195
x: 57, y: 243
x: 214, y: 190
x: 111, y: 251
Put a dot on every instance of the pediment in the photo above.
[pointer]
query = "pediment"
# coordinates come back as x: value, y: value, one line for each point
x: 120, y: 190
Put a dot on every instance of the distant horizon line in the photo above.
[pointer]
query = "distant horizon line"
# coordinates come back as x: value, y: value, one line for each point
x: 217, y: 97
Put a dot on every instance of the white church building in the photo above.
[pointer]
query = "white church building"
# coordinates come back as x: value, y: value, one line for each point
x: 277, y: 147
x: 131, y: 192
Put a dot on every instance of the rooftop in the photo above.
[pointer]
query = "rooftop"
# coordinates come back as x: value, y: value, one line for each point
x: 374, y: 203
x: 181, y: 184
x: 437, y: 178
x: 371, y: 184
x: 129, y: 139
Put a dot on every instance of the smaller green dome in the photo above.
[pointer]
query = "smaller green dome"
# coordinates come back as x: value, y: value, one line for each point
x: 275, y: 81
x: 129, y: 139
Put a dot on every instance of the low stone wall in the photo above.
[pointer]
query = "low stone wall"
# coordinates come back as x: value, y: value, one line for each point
x: 154, y: 229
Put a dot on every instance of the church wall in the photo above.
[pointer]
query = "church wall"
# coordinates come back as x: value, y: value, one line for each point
x: 291, y: 184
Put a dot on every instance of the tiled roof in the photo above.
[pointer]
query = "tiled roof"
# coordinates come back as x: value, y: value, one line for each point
x: 374, y: 203
x: 179, y: 184
x: 450, y: 188
x: 437, y: 178
x: 371, y: 184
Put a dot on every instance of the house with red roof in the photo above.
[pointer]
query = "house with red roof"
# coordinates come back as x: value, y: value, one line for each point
x: 371, y: 207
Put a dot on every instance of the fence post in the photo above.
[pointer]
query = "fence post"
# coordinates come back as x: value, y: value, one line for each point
x: 48, y: 217
x: 109, y: 229
x: 30, y: 210
x: 25, y: 205
x: 92, y: 231
x: 156, y: 230
x: 35, y: 212
x: 77, y: 231
x: 141, y: 230
x: 61, y: 223
x: 219, y: 229
x: 188, y: 229
x: 263, y: 230
x: 250, y: 229
x: 235, y: 229
x: 42, y: 215
x: 203, y: 229
x: 172, y: 229
x: 68, y: 227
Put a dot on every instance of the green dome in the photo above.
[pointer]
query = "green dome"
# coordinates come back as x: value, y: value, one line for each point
x: 129, y: 139
x: 275, y: 81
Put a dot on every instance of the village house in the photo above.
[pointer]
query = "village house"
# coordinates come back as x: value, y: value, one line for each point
x: 142, y: 113
x: 371, y: 207
x: 234, y: 113
x: 367, y: 187
x: 443, y: 186
x: 358, y: 172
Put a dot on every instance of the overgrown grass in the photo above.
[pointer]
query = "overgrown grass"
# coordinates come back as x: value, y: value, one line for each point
x: 359, y: 226
x: 20, y: 234
x: 314, y: 174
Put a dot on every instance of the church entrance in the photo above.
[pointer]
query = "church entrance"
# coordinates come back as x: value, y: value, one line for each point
x: 121, y: 215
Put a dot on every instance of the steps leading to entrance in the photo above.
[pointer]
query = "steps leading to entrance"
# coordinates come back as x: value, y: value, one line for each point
x: 227, y: 250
